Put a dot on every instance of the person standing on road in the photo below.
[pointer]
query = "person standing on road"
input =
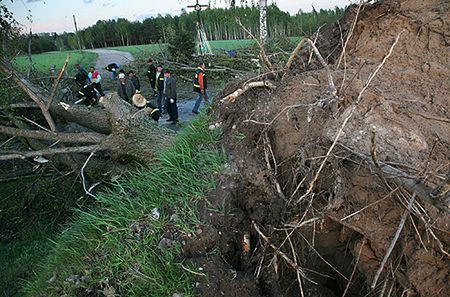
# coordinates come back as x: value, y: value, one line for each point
x: 160, y: 89
x: 125, y: 88
x: 135, y: 80
x: 200, y: 87
x: 170, y: 93
x: 151, y: 74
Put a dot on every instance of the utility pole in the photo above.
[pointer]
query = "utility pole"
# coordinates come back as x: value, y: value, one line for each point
x: 263, y: 22
x: 76, y: 32
x: 202, y: 41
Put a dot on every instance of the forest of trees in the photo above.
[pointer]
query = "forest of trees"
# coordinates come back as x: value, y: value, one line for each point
x: 219, y: 23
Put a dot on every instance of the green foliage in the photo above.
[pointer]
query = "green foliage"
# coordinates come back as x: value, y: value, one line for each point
x: 42, y: 62
x: 182, y: 46
x: 114, y: 248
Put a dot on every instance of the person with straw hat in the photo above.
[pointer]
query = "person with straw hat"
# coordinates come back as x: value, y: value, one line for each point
x: 140, y: 102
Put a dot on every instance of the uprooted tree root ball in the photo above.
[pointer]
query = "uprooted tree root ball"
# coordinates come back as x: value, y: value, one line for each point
x: 345, y: 196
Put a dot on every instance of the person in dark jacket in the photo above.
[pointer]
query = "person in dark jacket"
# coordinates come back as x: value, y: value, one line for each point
x: 135, y: 80
x: 170, y: 93
x: 82, y: 75
x: 200, y: 87
x: 87, y: 95
x: 160, y: 88
x: 151, y: 74
x: 112, y: 69
x: 125, y: 88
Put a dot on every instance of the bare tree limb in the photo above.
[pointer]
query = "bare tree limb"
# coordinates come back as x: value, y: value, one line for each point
x: 331, y: 86
x: 56, y: 83
x: 262, y: 51
x: 20, y: 105
x: 257, y: 84
x: 32, y: 95
x: 86, y: 137
x: 46, y: 152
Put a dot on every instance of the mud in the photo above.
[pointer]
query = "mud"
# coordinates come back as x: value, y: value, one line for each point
x: 340, y: 232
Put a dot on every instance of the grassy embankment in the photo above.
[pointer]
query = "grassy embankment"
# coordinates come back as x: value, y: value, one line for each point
x: 42, y: 62
x: 114, y: 247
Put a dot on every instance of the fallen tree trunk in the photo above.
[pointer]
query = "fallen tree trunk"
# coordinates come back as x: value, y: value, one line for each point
x: 119, y: 127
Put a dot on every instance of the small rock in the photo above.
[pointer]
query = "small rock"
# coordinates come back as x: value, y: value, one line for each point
x: 174, y: 217
x: 199, y: 231
x: 212, y: 127
x: 234, y: 127
x: 155, y: 213
x: 177, y: 295
x: 165, y: 243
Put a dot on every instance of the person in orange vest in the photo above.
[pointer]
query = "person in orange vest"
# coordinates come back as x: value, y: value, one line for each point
x: 200, y: 87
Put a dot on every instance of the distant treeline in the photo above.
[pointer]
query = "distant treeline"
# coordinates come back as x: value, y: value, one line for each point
x: 220, y: 24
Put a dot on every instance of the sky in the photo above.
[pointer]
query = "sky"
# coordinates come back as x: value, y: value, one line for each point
x: 56, y: 15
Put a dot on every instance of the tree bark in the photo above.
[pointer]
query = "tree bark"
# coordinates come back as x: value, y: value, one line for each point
x: 263, y: 22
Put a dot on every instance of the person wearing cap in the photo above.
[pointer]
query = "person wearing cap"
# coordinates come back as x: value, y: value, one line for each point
x: 135, y: 80
x: 125, y: 88
x: 170, y: 93
x: 151, y: 74
x: 112, y: 69
x: 160, y: 89
x: 140, y: 102
x: 96, y: 78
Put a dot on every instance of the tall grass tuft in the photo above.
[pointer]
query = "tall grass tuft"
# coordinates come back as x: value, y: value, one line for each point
x: 113, y: 249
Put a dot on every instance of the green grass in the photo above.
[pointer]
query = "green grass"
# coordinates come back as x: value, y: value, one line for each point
x: 115, y: 246
x: 42, y: 62
x: 217, y: 46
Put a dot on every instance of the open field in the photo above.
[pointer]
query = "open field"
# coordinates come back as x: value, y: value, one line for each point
x: 42, y: 62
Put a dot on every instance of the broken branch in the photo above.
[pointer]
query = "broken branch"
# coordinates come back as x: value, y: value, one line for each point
x: 56, y: 83
x: 262, y: 51
x: 331, y: 86
x: 257, y: 84
x: 47, y: 152
x: 86, y: 137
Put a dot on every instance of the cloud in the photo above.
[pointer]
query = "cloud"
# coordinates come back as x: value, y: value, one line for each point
x: 88, y: 1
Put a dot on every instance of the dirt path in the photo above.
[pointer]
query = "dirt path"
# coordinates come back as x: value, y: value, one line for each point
x: 106, y: 57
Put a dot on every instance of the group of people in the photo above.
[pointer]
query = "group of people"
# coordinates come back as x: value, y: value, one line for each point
x: 161, y: 82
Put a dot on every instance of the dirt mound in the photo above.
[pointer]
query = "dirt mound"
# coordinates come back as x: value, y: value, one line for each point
x: 291, y: 214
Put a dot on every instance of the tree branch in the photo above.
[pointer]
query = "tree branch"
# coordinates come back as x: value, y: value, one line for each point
x: 86, y: 137
x: 262, y: 51
x: 32, y: 95
x: 46, y: 152
x: 257, y: 84
x: 56, y: 83
x: 331, y: 86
